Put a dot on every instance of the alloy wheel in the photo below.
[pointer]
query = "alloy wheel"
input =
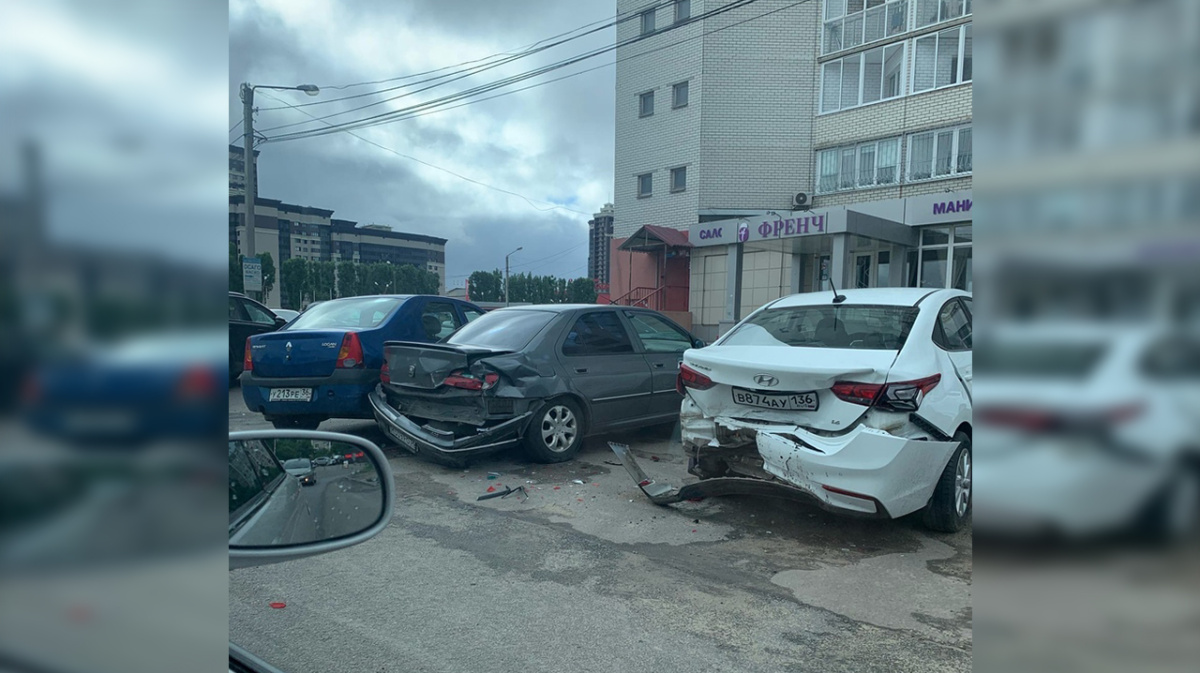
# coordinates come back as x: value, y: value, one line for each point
x: 962, y: 484
x: 559, y: 428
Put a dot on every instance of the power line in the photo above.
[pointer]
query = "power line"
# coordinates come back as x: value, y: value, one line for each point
x: 446, y: 170
x: 387, y: 117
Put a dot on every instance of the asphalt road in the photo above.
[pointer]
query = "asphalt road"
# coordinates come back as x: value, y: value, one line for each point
x: 585, y: 574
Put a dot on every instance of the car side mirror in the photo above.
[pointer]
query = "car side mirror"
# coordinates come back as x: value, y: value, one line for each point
x: 284, y: 504
x: 280, y: 322
x: 698, y: 343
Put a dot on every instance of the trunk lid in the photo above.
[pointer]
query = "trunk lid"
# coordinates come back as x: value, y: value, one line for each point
x: 296, y: 353
x: 416, y: 367
x: 757, y: 383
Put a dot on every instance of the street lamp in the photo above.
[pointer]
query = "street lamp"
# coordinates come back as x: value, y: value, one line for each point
x: 506, y: 272
x: 248, y: 151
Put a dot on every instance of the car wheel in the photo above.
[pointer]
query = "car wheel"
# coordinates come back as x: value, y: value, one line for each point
x: 296, y: 422
x: 950, y: 505
x: 1175, y: 511
x: 555, y: 433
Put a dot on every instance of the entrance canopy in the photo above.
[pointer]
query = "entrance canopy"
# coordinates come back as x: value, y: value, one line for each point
x: 651, y: 238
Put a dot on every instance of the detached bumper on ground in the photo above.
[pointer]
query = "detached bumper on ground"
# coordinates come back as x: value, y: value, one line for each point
x: 421, y: 440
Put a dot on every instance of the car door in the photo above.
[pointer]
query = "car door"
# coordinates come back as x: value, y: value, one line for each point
x: 598, y: 355
x: 246, y: 318
x: 439, y: 319
x: 662, y: 345
x: 953, y: 334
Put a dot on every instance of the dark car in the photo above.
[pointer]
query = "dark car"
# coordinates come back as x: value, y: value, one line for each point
x: 539, y: 376
x: 247, y: 318
x: 326, y: 360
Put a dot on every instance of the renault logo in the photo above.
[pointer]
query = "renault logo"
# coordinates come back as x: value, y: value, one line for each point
x: 288, y: 348
x: 766, y: 380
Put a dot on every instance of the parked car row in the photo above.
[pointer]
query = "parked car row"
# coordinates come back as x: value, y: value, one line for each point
x: 858, y: 402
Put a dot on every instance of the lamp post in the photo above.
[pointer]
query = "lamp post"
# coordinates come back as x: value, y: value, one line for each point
x: 248, y: 151
x: 506, y: 272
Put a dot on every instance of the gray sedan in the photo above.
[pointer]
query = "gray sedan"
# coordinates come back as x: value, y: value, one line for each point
x: 539, y: 377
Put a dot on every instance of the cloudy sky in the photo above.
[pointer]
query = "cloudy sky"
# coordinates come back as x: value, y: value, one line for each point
x: 552, y: 144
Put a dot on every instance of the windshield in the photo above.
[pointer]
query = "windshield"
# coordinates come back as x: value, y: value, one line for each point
x: 502, y: 330
x: 854, y: 327
x: 297, y: 464
x: 356, y: 313
x: 1039, y: 359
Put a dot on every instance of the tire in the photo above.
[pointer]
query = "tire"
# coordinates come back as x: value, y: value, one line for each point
x: 950, y: 506
x: 1174, y: 514
x: 555, y: 433
x: 296, y: 422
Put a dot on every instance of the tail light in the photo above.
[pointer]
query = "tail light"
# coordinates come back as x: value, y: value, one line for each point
x: 690, y: 378
x: 385, y: 374
x: 351, y: 354
x: 468, y: 381
x: 1044, y: 421
x: 197, y: 383
x: 247, y: 361
x: 897, y: 396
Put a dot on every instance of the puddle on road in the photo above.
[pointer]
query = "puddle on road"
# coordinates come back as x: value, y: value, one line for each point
x: 895, y: 591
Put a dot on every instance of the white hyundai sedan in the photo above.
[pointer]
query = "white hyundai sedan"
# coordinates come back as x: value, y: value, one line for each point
x: 861, y: 402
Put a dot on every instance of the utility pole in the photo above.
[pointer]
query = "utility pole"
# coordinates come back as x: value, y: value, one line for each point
x: 248, y: 161
x: 506, y: 272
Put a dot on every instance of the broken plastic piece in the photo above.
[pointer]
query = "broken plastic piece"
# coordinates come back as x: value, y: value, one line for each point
x: 491, y: 489
x: 278, y: 605
x: 577, y: 481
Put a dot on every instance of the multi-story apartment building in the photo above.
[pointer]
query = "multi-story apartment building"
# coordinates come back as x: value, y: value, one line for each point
x: 237, y: 171
x: 287, y: 230
x: 600, y: 231
x: 797, y: 143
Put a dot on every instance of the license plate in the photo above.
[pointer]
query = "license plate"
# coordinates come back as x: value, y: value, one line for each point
x: 406, y: 441
x: 783, y: 401
x: 291, y: 395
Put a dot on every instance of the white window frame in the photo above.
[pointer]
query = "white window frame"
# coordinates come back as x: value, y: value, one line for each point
x: 675, y: 104
x: 942, y: 14
x: 676, y: 171
x: 642, y: 98
x: 961, y: 61
x: 857, y: 149
x: 638, y: 179
x: 937, y: 138
x: 950, y: 246
x: 646, y: 17
x: 686, y: 6
x: 861, y: 59
x: 834, y: 13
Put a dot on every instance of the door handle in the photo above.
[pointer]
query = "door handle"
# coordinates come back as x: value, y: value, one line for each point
x: 658, y: 365
x: 581, y: 370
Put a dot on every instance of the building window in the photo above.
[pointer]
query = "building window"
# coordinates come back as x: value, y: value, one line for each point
x: 858, y: 79
x: 683, y: 10
x: 940, y: 153
x: 942, y: 59
x: 849, y: 23
x: 943, y: 249
x: 859, y: 166
x: 647, y: 22
x: 679, y: 95
x: 645, y: 185
x: 930, y: 12
x: 679, y: 179
x: 646, y: 104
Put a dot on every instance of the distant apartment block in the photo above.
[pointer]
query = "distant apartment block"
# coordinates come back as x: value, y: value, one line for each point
x: 600, y: 232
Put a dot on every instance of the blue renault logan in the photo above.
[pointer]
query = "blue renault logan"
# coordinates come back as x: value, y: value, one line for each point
x: 324, y: 363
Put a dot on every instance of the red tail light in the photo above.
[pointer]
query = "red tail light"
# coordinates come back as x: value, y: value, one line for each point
x: 897, y: 396
x: 1039, y: 420
x: 351, y: 354
x: 197, y: 383
x: 469, y: 381
x: 385, y: 374
x: 247, y: 361
x: 690, y: 378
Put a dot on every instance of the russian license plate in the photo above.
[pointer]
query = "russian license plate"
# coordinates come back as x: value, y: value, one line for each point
x: 783, y: 401
x: 406, y: 441
x: 291, y: 395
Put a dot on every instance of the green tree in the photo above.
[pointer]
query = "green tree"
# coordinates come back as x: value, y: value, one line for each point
x: 581, y: 291
x: 295, y: 277
x: 322, y: 277
x: 486, y: 286
x: 347, y: 278
x: 268, y: 272
x: 235, y: 269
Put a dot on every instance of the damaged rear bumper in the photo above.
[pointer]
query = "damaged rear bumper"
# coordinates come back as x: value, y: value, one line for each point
x: 420, y: 440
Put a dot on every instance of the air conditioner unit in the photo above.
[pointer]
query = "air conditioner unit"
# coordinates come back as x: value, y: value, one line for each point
x: 800, y: 202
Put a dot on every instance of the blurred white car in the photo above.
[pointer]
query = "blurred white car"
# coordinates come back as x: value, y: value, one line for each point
x: 863, y: 404
x: 1087, y: 429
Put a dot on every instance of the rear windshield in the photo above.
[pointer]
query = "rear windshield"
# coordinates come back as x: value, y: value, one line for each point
x: 502, y: 330
x: 359, y: 313
x: 1039, y: 360
x: 297, y: 464
x: 856, y: 327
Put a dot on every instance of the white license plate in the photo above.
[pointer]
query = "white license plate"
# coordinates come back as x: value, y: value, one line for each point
x: 783, y: 401
x: 406, y: 441
x: 291, y: 395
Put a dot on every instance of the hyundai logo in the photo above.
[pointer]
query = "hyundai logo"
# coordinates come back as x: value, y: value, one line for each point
x: 766, y: 380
